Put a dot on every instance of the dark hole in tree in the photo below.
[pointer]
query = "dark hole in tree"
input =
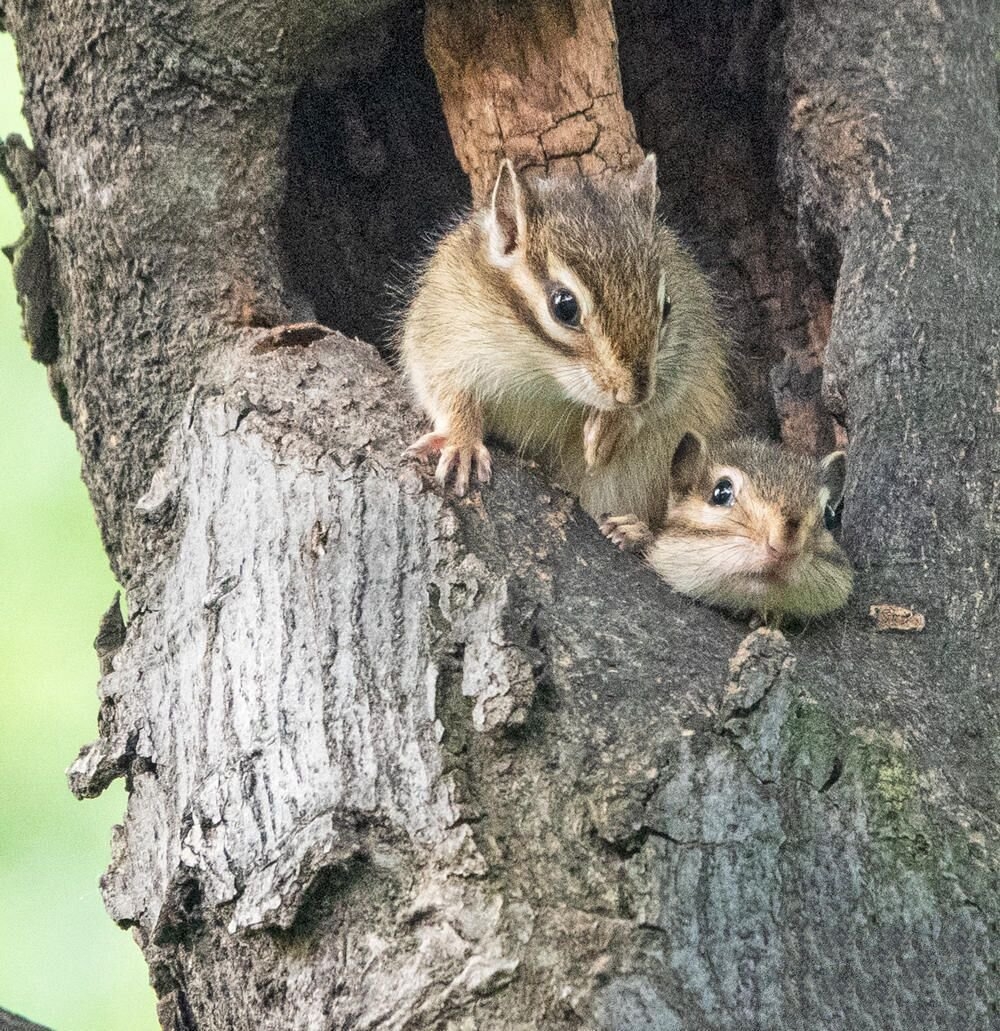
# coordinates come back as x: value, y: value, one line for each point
x: 371, y: 174
x: 704, y: 84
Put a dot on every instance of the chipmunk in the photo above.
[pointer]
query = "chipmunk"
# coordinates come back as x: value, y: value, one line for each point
x: 565, y: 319
x: 747, y: 529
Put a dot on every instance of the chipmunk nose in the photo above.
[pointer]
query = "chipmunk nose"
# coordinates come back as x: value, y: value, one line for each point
x: 778, y: 550
x: 638, y: 391
x: 780, y: 553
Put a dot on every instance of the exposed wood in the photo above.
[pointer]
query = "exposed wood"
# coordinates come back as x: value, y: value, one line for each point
x: 538, y: 83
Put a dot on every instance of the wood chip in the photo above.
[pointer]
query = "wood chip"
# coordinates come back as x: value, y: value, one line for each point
x: 896, y: 617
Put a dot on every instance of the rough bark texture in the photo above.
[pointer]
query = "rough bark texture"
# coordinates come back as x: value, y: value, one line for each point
x: 399, y: 762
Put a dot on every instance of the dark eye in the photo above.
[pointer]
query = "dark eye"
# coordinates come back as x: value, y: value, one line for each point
x: 565, y: 307
x: 831, y: 517
x: 723, y: 494
x: 666, y: 308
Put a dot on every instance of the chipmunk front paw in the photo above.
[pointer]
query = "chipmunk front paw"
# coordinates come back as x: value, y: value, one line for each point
x: 629, y: 532
x: 602, y: 433
x: 459, y: 459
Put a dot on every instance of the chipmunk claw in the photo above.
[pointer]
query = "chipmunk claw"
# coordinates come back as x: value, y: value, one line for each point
x: 461, y: 461
x: 629, y: 532
x: 456, y: 460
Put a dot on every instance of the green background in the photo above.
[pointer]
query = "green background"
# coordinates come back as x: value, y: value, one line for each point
x: 63, y: 962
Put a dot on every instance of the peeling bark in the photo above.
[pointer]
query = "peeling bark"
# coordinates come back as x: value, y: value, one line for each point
x: 395, y: 761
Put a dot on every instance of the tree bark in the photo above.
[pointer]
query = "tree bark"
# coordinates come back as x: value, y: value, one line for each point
x: 396, y: 761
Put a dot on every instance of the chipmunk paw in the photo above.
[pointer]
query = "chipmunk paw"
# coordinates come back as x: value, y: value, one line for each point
x: 629, y: 532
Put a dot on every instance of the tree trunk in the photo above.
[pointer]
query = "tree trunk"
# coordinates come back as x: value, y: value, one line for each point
x: 396, y: 761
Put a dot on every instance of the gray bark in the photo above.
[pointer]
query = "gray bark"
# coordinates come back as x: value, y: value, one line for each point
x: 395, y: 761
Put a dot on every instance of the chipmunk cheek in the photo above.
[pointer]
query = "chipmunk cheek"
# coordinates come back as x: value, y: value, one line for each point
x: 580, y: 384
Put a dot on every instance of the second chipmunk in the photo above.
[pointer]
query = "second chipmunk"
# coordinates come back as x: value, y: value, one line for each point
x: 565, y: 319
x: 748, y: 529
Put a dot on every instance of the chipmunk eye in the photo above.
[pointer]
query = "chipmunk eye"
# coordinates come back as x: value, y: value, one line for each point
x: 723, y: 493
x: 565, y: 307
x: 831, y: 517
x: 666, y: 309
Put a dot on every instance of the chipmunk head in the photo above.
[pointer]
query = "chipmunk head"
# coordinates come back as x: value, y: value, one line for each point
x: 581, y: 264
x: 748, y: 527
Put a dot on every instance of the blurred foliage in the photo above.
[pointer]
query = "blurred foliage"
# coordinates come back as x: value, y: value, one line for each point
x: 63, y: 962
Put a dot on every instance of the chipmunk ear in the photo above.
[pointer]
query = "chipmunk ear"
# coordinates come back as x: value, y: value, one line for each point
x: 644, y: 186
x: 687, y: 466
x: 508, y: 222
x: 833, y: 476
